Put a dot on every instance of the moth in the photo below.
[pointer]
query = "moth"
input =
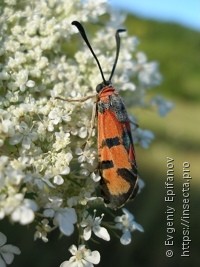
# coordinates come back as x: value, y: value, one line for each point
x: 116, y: 155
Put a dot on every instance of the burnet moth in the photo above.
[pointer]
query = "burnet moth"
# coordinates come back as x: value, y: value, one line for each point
x: 116, y: 155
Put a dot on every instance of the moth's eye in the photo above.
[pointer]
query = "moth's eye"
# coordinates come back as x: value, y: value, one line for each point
x: 102, y: 85
x: 99, y: 87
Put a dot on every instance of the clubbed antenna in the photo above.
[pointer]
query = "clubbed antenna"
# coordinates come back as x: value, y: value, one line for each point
x: 84, y: 36
x: 117, y: 51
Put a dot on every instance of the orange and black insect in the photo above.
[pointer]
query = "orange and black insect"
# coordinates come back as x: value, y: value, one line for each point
x: 117, y: 165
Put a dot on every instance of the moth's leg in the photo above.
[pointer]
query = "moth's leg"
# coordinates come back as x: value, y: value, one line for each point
x: 134, y: 124
x: 92, y: 123
x: 81, y: 99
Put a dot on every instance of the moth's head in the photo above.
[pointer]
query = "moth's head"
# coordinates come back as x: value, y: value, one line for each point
x: 102, y: 85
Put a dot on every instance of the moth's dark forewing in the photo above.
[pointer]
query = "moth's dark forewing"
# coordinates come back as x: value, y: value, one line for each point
x: 116, y: 153
x: 120, y: 112
x: 117, y: 201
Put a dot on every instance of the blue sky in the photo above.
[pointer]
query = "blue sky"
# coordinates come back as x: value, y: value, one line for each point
x: 185, y: 12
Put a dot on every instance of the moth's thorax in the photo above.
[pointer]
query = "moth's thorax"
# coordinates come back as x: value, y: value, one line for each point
x: 107, y: 91
x: 110, y: 101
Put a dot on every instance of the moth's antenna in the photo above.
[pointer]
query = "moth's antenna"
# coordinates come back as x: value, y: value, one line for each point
x: 117, y: 36
x: 84, y: 36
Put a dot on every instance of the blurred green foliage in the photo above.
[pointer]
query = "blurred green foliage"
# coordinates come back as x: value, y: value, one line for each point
x: 177, y: 50
x: 177, y: 136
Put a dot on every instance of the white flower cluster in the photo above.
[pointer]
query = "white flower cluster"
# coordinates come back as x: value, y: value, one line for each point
x: 44, y: 172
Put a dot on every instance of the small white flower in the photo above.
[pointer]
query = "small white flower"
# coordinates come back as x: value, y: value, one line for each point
x: 64, y: 218
x: 83, y: 132
x: 148, y: 74
x: 54, y: 203
x: 54, y: 163
x: 21, y: 80
x: 24, y: 213
x: 86, y: 155
x: 7, y: 251
x: 82, y: 257
x: 95, y: 177
x: 143, y: 137
x: 42, y: 230
x: 126, y: 224
x: 92, y: 224
x: 11, y: 172
x: 62, y: 162
x: 141, y: 57
x: 43, y: 62
x: 62, y: 140
x: 6, y: 125
x: 4, y: 75
x: 25, y: 136
x: 58, y: 180
x: 30, y: 84
x: 57, y: 115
